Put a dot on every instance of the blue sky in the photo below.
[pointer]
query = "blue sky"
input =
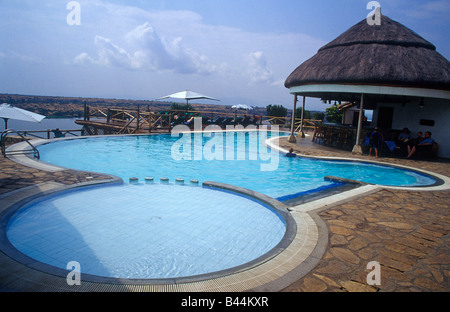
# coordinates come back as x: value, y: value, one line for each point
x: 238, y: 51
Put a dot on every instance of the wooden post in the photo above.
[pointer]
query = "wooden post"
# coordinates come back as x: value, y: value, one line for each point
x: 138, y: 118
x: 357, y: 148
x: 292, y: 138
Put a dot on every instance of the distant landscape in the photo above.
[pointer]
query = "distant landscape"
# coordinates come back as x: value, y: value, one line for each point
x: 73, y: 107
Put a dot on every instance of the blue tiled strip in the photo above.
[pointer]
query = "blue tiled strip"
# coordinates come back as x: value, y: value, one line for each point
x: 321, y: 188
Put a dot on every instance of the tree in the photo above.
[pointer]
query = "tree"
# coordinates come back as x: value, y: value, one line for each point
x: 181, y: 107
x: 318, y: 115
x: 298, y: 113
x: 333, y: 114
x: 276, y: 111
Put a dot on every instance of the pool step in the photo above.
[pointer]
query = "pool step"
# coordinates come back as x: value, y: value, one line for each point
x: 134, y: 180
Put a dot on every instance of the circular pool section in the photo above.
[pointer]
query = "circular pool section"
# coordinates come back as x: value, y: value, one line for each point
x: 146, y: 231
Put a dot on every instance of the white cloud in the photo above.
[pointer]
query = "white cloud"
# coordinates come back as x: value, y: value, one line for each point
x: 150, y: 54
x: 170, y: 50
x: 111, y: 54
x: 146, y: 51
x: 180, y: 42
x: 83, y: 58
x: 258, y: 70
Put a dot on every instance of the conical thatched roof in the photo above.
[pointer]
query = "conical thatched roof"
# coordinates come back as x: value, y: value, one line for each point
x: 388, y: 54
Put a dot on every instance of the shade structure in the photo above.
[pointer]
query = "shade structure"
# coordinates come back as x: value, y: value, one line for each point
x: 7, y: 111
x: 370, y: 64
x: 389, y: 59
x: 189, y: 95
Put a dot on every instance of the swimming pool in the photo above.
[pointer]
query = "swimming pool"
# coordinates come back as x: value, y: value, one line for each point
x: 168, y: 230
x: 143, y: 156
x: 146, y: 231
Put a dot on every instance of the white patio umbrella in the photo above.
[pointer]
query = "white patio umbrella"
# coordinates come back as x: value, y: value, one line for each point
x: 7, y: 111
x: 188, y: 95
x: 242, y: 106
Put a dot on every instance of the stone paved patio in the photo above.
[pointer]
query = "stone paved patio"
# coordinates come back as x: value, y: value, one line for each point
x: 407, y: 232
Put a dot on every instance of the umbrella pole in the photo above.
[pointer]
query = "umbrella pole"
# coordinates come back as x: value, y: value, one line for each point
x: 6, y: 123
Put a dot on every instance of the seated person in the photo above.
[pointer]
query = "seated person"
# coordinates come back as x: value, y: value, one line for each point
x: 246, y: 121
x: 403, y: 139
x: 58, y: 133
x: 413, y: 142
x: 423, y: 145
x: 189, y: 121
x: 291, y: 153
x: 404, y: 135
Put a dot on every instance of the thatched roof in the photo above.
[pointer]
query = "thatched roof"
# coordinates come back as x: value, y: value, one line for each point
x: 388, y: 54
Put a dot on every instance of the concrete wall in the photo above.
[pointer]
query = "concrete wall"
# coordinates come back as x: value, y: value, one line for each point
x: 409, y: 115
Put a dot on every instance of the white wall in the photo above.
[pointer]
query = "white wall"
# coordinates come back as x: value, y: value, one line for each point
x: 410, y: 114
x: 348, y: 116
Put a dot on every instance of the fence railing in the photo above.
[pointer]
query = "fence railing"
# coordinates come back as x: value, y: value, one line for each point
x: 50, y: 133
x: 125, y: 121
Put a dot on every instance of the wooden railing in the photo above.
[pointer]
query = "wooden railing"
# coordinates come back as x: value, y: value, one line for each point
x: 129, y: 121
x: 124, y: 121
x: 307, y: 124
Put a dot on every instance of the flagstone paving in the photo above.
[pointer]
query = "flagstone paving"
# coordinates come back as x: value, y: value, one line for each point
x: 15, y: 176
x: 406, y: 232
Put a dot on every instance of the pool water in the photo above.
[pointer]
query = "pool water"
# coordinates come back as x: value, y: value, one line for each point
x: 146, y: 230
x: 142, y: 156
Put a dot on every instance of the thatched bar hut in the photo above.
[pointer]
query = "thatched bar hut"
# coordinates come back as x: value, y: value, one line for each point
x: 387, y: 68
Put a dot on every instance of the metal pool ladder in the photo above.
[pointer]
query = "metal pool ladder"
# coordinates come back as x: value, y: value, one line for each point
x: 33, y: 149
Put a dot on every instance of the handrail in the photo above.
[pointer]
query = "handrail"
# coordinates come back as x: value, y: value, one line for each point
x: 48, y: 131
x: 5, y: 133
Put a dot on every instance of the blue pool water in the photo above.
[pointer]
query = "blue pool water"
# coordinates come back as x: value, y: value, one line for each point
x: 146, y: 230
x: 142, y: 156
